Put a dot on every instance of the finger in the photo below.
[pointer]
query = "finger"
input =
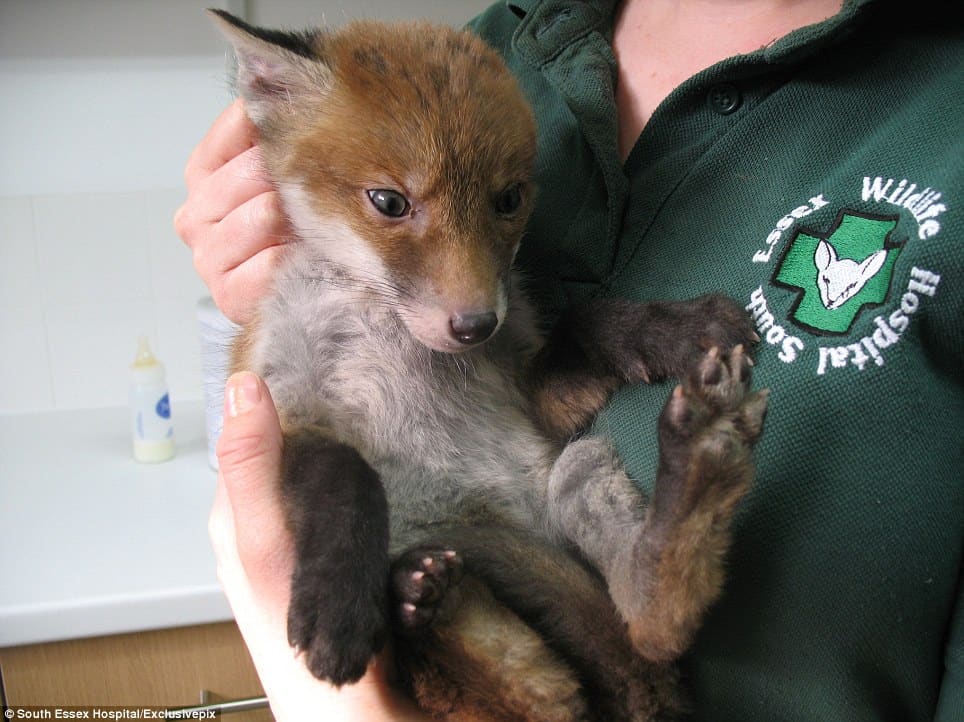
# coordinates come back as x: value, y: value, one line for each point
x: 217, y: 248
x: 231, y: 134
x: 249, y: 229
x: 249, y: 460
x: 237, y: 181
x: 239, y: 255
x: 217, y: 197
x: 238, y: 291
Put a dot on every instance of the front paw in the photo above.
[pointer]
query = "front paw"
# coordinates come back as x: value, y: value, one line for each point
x: 661, y: 339
x: 338, y: 513
x: 336, y: 623
x: 717, y: 321
x: 671, y: 341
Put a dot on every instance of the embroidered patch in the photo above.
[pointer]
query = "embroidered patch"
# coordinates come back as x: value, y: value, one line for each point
x: 827, y: 275
x: 840, y: 272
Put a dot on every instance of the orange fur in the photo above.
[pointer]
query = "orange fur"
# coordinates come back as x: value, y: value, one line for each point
x: 373, y: 131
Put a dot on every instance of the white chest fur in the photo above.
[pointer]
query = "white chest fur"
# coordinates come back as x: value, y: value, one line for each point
x: 449, y: 434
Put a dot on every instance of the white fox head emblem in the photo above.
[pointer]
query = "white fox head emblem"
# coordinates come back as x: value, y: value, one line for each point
x: 841, y: 280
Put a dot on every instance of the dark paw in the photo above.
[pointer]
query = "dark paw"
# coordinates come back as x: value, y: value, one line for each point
x: 338, y: 635
x: 663, y: 339
x: 716, y: 392
x: 338, y: 513
x: 422, y: 580
x: 707, y: 431
x: 720, y: 322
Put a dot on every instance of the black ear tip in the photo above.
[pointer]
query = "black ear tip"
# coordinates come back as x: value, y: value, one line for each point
x: 297, y: 43
x: 228, y: 18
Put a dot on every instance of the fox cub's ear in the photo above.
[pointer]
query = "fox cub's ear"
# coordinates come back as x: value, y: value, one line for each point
x: 274, y: 67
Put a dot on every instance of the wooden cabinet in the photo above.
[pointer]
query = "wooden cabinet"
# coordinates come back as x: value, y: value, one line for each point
x: 166, y: 668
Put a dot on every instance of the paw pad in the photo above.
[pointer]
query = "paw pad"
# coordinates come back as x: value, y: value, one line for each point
x: 716, y: 388
x: 421, y: 580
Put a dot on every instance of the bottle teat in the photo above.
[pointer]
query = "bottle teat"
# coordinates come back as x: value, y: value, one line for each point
x: 144, y: 356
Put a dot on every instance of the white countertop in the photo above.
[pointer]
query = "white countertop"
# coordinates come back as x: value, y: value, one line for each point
x: 92, y: 542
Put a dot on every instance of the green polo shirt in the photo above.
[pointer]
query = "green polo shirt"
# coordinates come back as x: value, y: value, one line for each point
x: 820, y: 181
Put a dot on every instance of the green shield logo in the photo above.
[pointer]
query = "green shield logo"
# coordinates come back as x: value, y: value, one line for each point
x: 838, y: 273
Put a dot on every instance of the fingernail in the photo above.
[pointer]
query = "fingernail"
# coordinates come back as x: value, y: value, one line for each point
x: 243, y: 393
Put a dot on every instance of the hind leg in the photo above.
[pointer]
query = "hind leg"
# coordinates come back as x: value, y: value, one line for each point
x: 466, y: 657
x: 528, y: 634
x: 706, y: 434
x: 663, y: 559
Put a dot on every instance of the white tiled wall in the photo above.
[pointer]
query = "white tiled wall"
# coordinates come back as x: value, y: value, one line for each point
x: 81, y: 277
x: 90, y: 176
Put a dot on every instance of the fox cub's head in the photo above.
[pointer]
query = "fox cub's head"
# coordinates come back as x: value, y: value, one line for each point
x: 404, y: 155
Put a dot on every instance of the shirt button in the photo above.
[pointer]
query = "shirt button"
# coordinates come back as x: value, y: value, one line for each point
x: 724, y: 98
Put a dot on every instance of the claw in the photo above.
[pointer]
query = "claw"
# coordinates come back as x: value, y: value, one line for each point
x: 740, y: 363
x: 678, y: 408
x: 712, y: 371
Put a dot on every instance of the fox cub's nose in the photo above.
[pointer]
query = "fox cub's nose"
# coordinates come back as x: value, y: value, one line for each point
x: 472, y: 328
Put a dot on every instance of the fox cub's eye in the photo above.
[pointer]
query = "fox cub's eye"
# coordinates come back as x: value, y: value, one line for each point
x: 509, y: 200
x: 390, y: 203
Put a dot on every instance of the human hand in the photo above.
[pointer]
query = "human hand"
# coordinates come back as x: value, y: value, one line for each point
x: 255, y: 556
x: 232, y: 219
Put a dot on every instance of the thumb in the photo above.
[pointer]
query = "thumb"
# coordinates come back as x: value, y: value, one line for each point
x: 249, y: 460
x: 249, y: 448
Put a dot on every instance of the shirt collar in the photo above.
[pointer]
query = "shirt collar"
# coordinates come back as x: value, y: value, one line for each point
x: 548, y: 26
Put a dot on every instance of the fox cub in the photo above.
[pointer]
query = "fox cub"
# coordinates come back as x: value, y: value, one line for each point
x: 436, y: 489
